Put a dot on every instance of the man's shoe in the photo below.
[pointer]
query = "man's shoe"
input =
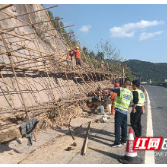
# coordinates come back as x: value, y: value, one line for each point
x: 124, y: 144
x: 116, y: 145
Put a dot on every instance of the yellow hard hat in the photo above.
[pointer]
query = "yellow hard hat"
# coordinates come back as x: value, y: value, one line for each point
x: 77, y: 47
x: 102, y: 61
x: 68, y: 49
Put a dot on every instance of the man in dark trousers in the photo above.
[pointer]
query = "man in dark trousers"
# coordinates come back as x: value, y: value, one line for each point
x: 121, y: 104
x: 138, y: 102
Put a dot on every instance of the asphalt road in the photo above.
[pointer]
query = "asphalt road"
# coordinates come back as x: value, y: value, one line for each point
x: 158, y: 101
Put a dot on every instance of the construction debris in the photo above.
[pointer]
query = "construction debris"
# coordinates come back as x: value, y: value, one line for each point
x: 104, y: 119
x: 69, y: 149
x: 74, y: 144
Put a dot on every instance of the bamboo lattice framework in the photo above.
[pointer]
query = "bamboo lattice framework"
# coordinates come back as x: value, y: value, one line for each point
x: 32, y: 48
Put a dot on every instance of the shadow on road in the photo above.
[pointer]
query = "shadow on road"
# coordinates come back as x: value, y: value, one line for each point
x: 5, y: 147
x: 115, y: 156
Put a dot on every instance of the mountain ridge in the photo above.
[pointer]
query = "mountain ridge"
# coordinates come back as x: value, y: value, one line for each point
x: 145, y: 70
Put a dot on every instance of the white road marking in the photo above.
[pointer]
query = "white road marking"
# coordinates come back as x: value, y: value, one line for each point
x: 149, y: 155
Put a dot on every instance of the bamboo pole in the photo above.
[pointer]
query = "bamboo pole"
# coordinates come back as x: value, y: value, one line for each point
x: 5, y: 53
x: 5, y: 32
x: 7, y: 89
x: 21, y: 35
x: 10, y: 29
x: 30, y: 12
x: 6, y: 6
x: 32, y: 24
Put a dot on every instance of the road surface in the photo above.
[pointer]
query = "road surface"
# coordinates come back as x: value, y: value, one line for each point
x: 158, y: 101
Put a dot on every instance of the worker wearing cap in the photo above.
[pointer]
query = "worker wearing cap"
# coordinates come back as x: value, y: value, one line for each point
x: 77, y: 56
x: 113, y: 98
x: 138, y: 102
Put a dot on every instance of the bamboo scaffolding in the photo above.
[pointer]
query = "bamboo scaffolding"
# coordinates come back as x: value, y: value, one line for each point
x: 41, y: 53
x: 7, y: 90
x: 45, y: 36
x: 56, y: 105
x: 60, y: 53
x: 35, y: 59
x: 86, y: 74
x: 30, y: 12
x: 81, y: 75
x: 6, y: 6
x: 9, y: 56
x: 8, y: 29
x: 5, y: 32
x: 22, y: 35
x: 24, y: 75
x: 31, y: 24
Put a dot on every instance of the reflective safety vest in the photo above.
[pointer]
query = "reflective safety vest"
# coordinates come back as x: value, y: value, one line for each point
x: 141, y: 97
x: 123, y: 101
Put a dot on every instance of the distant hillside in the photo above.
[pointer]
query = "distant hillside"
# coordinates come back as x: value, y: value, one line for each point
x: 147, y: 70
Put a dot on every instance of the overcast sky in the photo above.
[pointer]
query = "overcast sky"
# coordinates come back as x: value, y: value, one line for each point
x: 138, y: 31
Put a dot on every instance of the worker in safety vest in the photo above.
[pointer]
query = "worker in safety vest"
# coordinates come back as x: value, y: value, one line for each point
x: 77, y: 56
x: 131, y: 89
x: 121, y: 104
x: 138, y: 102
x: 113, y: 98
x: 69, y: 61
